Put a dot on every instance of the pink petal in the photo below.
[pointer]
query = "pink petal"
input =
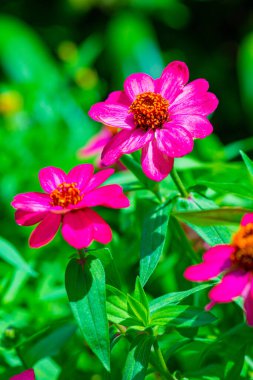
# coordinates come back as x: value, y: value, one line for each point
x: 26, y: 375
x: 45, y: 231
x: 125, y: 142
x: 194, y: 100
x: 34, y: 202
x: 219, y: 253
x: 231, y: 286
x: 98, y: 178
x: 96, y: 144
x: 136, y: 84
x: 101, y: 230
x: 108, y: 196
x: 81, y: 174
x: 174, y: 140
x: 27, y: 218
x: 205, y: 271
x: 247, y: 218
x: 198, y: 126
x: 155, y: 164
x: 114, y: 115
x: 118, y: 97
x: 50, y: 177
x: 248, y: 304
x: 77, y: 229
x: 172, y: 80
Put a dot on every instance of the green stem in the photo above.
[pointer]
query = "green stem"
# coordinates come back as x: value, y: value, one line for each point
x: 179, y: 183
x: 161, y: 363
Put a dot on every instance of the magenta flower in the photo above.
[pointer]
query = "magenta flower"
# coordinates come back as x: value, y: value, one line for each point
x: 69, y: 200
x: 26, y: 375
x: 160, y: 116
x: 235, y: 261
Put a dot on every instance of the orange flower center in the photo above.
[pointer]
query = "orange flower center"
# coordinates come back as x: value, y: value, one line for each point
x: 243, y: 241
x: 66, y: 194
x: 150, y: 110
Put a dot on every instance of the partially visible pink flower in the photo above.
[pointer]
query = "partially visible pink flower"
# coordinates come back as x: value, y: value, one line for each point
x: 235, y: 261
x: 26, y: 375
x: 68, y: 200
x: 160, y: 116
x: 97, y: 143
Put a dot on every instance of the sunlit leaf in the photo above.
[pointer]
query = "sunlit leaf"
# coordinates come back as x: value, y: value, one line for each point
x: 154, y: 233
x: 85, y: 286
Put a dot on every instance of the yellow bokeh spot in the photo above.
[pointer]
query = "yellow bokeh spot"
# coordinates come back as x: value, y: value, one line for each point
x: 86, y: 78
x: 67, y: 51
x: 10, y: 102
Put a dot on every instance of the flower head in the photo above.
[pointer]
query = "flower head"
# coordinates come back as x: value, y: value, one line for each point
x: 68, y: 200
x: 235, y: 261
x: 160, y: 116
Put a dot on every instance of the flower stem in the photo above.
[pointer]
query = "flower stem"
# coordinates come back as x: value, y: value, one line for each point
x: 161, y: 363
x: 179, y: 183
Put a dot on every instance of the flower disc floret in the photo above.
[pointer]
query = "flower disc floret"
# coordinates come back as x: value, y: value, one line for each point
x: 235, y: 262
x: 243, y: 243
x: 150, y: 110
x: 66, y: 194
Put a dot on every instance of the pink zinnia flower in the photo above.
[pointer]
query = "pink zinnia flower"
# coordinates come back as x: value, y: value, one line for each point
x: 160, y: 116
x: 68, y: 200
x: 235, y: 260
x: 26, y: 375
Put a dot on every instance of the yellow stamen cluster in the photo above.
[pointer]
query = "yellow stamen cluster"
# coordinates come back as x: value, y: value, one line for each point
x: 243, y: 241
x: 66, y: 194
x: 150, y: 110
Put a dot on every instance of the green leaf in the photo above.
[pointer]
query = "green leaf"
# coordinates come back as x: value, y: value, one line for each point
x: 46, y: 343
x: 138, y: 310
x: 9, y: 254
x: 154, y: 233
x: 85, y: 286
x: 111, y: 271
x: 182, y: 316
x: 174, y: 298
x: 229, y: 188
x: 219, y: 216
x: 213, y: 235
x: 116, y: 305
x: 248, y: 162
x: 139, y: 294
x: 138, y: 358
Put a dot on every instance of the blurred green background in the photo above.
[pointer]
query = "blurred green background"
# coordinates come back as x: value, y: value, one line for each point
x: 57, y: 58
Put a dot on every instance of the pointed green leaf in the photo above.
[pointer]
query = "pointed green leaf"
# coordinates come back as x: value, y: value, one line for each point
x: 182, y: 316
x: 9, y: 254
x: 139, y: 294
x: 174, y: 298
x: 153, y: 239
x: 137, y: 309
x: 248, y: 162
x: 85, y: 286
x: 116, y: 305
x: 138, y: 358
